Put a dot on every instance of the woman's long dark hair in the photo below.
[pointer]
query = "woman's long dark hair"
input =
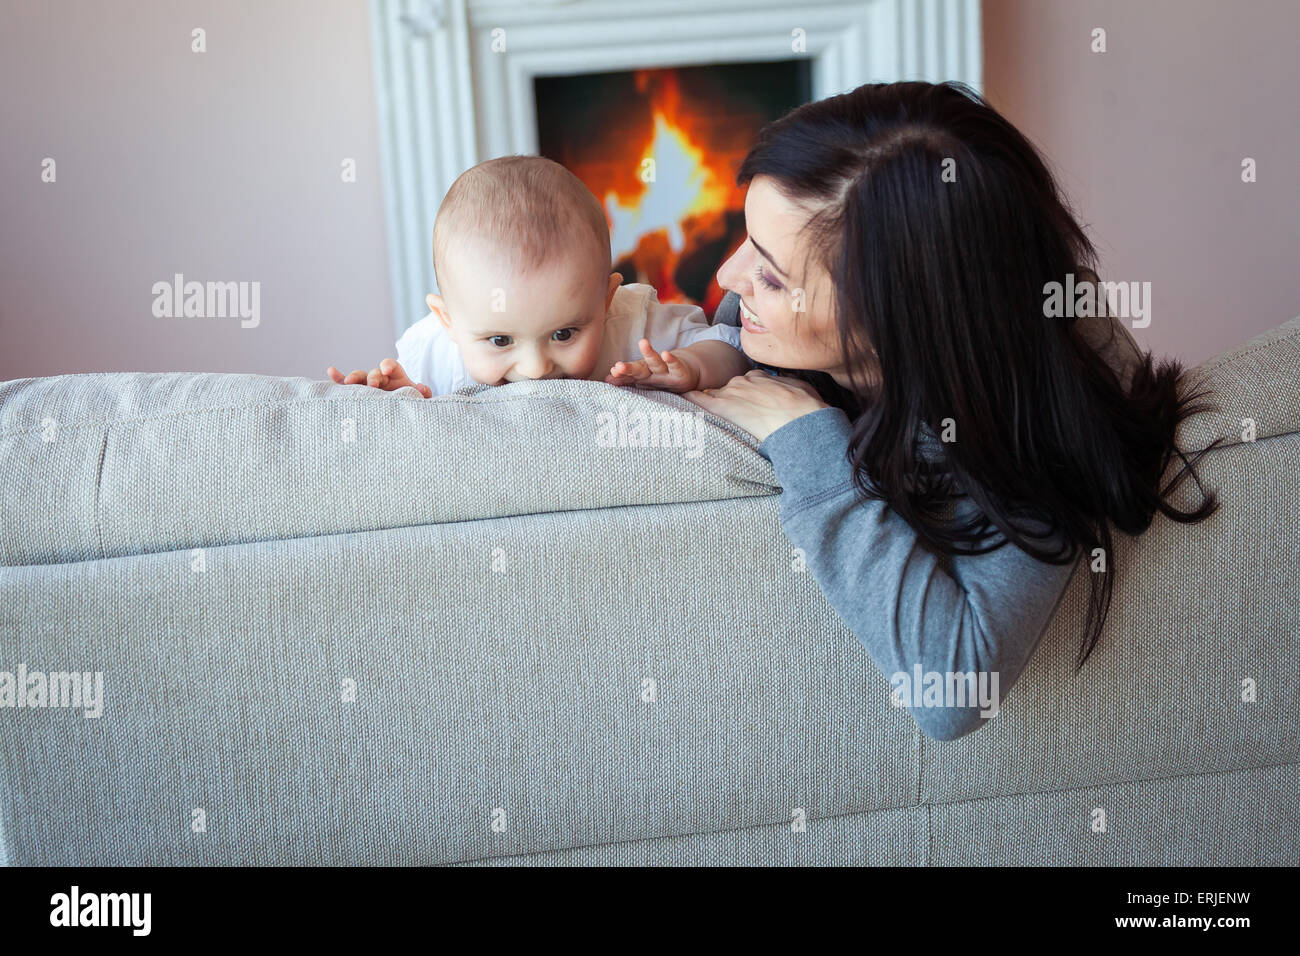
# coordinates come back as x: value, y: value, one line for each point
x: 943, y: 276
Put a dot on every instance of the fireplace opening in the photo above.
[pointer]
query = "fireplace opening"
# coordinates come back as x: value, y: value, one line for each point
x: 660, y: 149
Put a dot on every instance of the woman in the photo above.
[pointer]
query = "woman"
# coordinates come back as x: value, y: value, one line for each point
x: 900, y: 238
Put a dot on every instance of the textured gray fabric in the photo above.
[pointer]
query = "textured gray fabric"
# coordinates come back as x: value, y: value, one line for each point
x: 146, y: 463
x: 1213, y: 603
x: 1196, y: 609
x: 1245, y: 818
x: 873, y: 838
x: 1227, y: 819
x: 520, y: 688
x: 1259, y: 380
x: 476, y: 690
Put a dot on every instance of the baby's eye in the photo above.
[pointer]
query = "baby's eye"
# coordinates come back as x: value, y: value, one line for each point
x: 563, y: 335
x: 500, y: 341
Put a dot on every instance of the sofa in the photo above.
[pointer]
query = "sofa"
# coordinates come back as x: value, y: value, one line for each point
x: 528, y: 625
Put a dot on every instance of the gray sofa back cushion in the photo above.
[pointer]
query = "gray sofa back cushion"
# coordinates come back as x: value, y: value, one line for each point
x: 109, y: 465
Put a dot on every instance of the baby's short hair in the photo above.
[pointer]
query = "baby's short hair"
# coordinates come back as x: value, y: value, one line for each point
x: 531, y: 208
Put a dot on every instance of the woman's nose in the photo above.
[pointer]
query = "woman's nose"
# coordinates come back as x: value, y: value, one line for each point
x: 733, y: 274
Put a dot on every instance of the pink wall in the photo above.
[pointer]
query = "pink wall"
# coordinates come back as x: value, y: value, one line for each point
x: 223, y: 165
x: 1149, y: 137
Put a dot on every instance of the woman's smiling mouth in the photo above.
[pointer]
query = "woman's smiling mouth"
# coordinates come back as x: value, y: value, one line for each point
x: 748, y: 320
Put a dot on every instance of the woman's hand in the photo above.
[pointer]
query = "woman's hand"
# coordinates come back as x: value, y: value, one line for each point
x: 758, y: 402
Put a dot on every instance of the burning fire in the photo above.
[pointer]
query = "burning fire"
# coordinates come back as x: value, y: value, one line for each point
x: 679, y: 183
x: 661, y: 148
x: 679, y: 197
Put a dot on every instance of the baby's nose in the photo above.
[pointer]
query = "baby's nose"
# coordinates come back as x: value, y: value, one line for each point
x: 536, y: 368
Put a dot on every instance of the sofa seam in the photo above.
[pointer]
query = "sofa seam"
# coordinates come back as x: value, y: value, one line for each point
x: 688, y: 502
x: 1216, y: 363
x: 918, y: 740
x: 1228, y: 444
x: 690, y: 833
x: 929, y: 808
x: 929, y: 835
x: 1111, y: 783
x: 99, y: 486
x: 6, y: 801
x: 918, y: 753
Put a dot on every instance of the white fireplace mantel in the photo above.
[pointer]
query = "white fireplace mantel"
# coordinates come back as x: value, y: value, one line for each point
x: 454, y: 78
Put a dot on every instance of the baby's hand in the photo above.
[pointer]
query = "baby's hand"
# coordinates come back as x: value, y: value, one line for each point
x: 662, y: 370
x: 390, y: 376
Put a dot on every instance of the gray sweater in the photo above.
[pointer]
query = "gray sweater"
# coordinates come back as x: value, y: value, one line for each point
x: 917, y: 613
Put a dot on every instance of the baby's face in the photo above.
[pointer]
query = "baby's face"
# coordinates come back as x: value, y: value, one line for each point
x: 512, y: 328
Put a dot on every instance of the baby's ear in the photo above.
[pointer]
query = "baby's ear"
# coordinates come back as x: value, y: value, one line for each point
x: 615, y: 280
x: 438, y: 306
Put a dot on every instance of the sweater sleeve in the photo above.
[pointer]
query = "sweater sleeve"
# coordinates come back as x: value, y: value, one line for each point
x: 917, y: 613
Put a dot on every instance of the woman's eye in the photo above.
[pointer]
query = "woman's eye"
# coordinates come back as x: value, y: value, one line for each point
x: 762, y: 276
x: 500, y: 341
x: 563, y: 335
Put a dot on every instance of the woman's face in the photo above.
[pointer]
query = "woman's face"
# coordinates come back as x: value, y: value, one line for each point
x: 787, y: 299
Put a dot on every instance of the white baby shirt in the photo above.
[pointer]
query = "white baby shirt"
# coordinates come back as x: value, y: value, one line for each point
x: 431, y: 358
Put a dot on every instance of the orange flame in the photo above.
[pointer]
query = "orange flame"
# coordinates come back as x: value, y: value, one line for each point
x: 679, y: 183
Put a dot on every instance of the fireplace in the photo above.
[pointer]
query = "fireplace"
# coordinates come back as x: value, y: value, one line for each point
x: 460, y: 81
x: 664, y: 163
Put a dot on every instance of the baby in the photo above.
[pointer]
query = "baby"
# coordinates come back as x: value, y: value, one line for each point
x: 521, y: 253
